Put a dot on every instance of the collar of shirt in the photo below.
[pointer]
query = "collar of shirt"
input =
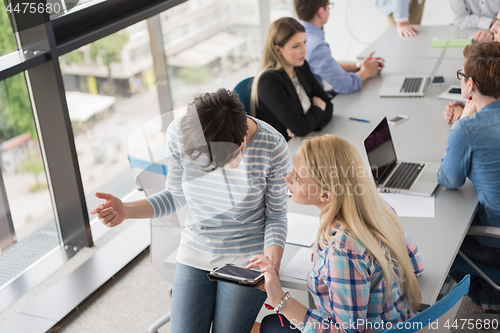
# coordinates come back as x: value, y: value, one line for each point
x: 493, y: 105
x: 313, y: 29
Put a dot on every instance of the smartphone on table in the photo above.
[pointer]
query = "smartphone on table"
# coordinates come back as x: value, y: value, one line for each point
x: 398, y: 120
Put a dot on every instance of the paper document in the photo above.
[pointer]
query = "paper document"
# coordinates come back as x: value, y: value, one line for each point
x: 302, y: 229
x: 299, y: 266
x: 407, y: 205
x: 452, y: 96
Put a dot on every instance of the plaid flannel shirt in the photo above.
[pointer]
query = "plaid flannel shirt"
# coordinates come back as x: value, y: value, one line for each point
x: 347, y: 285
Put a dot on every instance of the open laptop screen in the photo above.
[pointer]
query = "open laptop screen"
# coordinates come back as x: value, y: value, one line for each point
x: 380, y: 150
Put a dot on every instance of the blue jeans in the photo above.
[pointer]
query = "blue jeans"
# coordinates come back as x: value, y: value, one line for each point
x: 480, y: 291
x: 198, y: 304
x: 272, y: 324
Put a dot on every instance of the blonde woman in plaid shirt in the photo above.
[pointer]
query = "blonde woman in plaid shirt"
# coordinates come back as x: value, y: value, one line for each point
x: 365, y: 266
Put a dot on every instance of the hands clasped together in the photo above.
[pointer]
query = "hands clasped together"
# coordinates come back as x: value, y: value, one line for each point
x: 456, y: 110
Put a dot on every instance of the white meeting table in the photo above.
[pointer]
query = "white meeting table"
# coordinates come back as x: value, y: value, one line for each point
x: 389, y: 44
x: 423, y: 137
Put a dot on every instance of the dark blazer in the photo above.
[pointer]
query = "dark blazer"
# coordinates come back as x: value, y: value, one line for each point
x: 279, y: 104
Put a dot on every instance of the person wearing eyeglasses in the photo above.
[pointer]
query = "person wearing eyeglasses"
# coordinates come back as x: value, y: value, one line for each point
x: 476, y: 14
x: 402, y: 13
x: 473, y: 152
x: 453, y: 111
x: 336, y: 78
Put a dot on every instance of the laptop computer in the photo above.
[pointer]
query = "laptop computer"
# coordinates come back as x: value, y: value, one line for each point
x: 409, y: 85
x: 395, y: 176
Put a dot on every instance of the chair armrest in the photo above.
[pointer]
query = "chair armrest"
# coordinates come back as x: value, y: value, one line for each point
x: 484, y: 231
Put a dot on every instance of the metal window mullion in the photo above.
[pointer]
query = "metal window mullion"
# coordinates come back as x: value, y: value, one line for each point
x: 50, y: 111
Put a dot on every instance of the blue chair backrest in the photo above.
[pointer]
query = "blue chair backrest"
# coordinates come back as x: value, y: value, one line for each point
x: 150, y: 176
x: 243, y: 89
x: 461, y: 265
x: 451, y: 301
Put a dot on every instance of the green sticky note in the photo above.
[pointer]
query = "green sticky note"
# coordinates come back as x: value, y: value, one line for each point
x: 457, y: 42
x: 439, y: 42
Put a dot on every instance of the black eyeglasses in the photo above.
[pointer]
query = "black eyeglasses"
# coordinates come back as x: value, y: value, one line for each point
x: 461, y: 75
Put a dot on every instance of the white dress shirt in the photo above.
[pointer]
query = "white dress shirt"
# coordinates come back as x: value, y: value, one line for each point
x: 474, y: 13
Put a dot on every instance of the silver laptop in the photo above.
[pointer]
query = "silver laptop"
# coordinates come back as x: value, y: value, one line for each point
x: 394, y: 176
x: 409, y: 85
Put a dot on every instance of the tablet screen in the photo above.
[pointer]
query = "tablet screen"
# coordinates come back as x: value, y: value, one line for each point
x: 238, y: 272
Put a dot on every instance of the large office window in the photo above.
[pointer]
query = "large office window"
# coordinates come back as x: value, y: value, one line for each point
x: 109, y: 88
x: 27, y: 222
x: 73, y: 89
x: 28, y: 228
x: 210, y: 44
x: 111, y: 84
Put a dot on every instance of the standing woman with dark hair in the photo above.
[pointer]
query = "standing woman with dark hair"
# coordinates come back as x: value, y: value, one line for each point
x: 474, y: 152
x: 229, y: 169
x: 285, y: 93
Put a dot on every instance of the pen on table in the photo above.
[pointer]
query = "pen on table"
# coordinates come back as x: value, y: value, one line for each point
x: 358, y: 119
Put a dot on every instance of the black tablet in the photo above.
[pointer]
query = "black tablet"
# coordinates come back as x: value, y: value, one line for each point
x: 237, y: 275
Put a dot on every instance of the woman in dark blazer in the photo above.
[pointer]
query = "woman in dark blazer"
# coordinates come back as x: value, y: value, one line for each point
x: 285, y: 93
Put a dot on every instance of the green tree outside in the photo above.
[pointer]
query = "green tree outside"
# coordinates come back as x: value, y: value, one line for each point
x: 108, y: 50
x: 194, y: 75
x: 33, y: 165
x: 16, y: 116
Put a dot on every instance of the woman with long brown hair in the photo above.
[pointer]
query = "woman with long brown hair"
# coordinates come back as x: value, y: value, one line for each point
x: 365, y: 265
x: 285, y: 93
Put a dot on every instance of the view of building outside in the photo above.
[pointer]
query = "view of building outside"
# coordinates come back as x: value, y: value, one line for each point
x: 111, y: 86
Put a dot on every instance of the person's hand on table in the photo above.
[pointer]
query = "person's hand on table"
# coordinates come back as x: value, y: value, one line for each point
x: 319, y: 103
x: 371, y: 65
x: 272, y: 285
x: 290, y: 134
x: 405, y: 30
x: 469, y: 109
x: 111, y: 212
x: 453, y: 111
x: 482, y: 36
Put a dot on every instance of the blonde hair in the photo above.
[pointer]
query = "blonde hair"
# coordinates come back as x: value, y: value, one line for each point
x: 279, y: 34
x: 335, y: 165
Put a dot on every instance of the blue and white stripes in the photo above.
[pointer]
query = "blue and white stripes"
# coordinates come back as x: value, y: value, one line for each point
x: 231, y: 211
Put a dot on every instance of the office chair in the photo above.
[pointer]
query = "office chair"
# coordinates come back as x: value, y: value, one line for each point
x: 438, y: 317
x: 489, y: 273
x: 244, y: 89
x: 146, y: 151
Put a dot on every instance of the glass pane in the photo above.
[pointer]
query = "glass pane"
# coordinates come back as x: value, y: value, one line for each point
x: 281, y: 8
x: 110, y: 91
x: 210, y: 44
x: 7, y: 40
x: 111, y: 84
x: 27, y: 222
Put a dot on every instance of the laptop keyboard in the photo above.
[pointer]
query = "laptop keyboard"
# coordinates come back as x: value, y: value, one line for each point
x: 405, y: 175
x: 411, y: 85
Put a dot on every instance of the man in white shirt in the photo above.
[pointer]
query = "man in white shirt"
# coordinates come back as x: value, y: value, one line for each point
x: 476, y: 14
